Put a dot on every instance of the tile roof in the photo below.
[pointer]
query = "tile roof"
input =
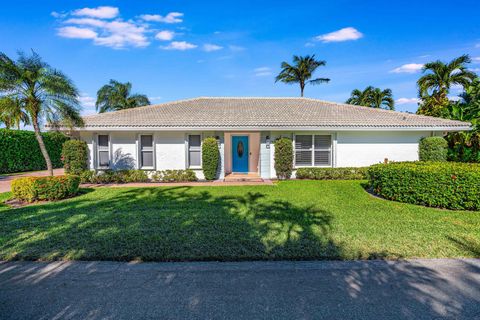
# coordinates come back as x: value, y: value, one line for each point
x: 250, y: 112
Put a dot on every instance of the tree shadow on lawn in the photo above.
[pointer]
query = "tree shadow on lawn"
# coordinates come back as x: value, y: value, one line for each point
x: 168, y: 224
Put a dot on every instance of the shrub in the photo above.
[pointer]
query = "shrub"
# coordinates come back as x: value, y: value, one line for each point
x: 111, y: 176
x: 174, y: 176
x: 433, y: 149
x: 75, y: 156
x: 210, y: 158
x: 332, y: 173
x: 283, y: 158
x: 436, y: 184
x: 45, y: 188
x: 20, y: 151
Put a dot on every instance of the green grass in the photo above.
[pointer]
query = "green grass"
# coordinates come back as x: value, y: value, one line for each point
x: 291, y: 220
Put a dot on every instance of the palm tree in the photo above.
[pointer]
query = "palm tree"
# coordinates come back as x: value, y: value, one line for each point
x: 438, y: 78
x: 12, y: 113
x: 301, y: 72
x: 117, y: 96
x: 373, y: 98
x: 42, y: 92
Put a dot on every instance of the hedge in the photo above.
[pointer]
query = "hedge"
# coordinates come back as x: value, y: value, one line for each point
x: 332, y: 173
x: 449, y: 185
x: 75, y: 156
x: 433, y: 149
x: 210, y: 158
x: 45, y: 188
x: 111, y: 176
x: 19, y: 150
x: 283, y: 158
x: 174, y: 176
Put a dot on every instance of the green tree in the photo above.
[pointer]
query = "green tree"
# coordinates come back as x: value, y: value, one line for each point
x: 301, y: 72
x: 117, y: 96
x: 12, y: 113
x: 373, y: 98
x: 43, y: 93
x: 434, y: 86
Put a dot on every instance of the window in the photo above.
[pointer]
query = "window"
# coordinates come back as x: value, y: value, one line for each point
x: 313, y: 150
x: 146, y: 151
x: 194, y: 150
x: 103, y: 150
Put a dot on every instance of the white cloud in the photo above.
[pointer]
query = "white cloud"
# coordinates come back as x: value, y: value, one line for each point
x: 115, y: 34
x: 86, y: 100
x: 477, y: 45
x: 165, y: 35
x: 262, y: 71
x: 309, y: 44
x: 408, y: 68
x: 236, y: 48
x: 345, y: 34
x: 211, y: 47
x: 476, y: 59
x: 76, y: 33
x: 102, y: 12
x: 474, y: 69
x: 172, y: 17
x: 407, y: 101
x: 179, y: 45
x: 155, y: 98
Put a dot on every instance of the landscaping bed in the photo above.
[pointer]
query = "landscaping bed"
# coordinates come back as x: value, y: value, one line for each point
x: 293, y: 220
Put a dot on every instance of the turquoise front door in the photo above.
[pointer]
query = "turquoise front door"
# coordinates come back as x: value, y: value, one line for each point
x: 240, y: 154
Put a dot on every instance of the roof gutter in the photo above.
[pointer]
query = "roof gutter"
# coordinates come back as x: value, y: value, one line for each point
x: 275, y: 128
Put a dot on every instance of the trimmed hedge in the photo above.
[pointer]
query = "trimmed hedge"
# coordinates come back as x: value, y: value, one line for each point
x: 433, y: 149
x: 332, y: 173
x: 449, y: 185
x: 210, y: 158
x: 174, y: 176
x: 20, y: 152
x: 283, y: 158
x: 111, y: 176
x: 45, y: 188
x: 75, y: 156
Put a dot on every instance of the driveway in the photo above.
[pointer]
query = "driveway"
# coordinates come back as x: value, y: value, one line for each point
x: 6, y: 180
x: 415, y: 289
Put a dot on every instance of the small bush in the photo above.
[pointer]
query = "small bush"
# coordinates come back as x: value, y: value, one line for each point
x: 435, y: 184
x: 210, y: 158
x: 174, y: 176
x: 45, y: 188
x: 75, y: 156
x: 111, y: 176
x: 332, y: 173
x: 433, y: 149
x: 20, y: 151
x: 284, y: 158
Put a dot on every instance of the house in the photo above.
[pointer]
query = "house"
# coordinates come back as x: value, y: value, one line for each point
x: 324, y: 134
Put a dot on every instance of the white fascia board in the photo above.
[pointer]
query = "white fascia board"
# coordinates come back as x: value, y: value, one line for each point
x: 330, y: 128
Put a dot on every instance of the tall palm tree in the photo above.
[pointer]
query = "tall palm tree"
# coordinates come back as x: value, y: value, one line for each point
x: 373, y: 98
x: 117, y: 96
x: 43, y: 93
x: 11, y: 113
x: 301, y: 72
x: 438, y: 78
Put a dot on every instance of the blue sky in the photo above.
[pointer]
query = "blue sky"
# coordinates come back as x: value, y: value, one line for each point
x: 180, y: 49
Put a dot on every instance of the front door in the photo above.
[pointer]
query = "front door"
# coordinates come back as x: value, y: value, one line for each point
x: 240, y: 153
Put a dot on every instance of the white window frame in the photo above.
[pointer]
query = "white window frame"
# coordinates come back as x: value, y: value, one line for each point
x: 199, y: 149
x: 103, y: 148
x: 140, y: 150
x: 313, y: 149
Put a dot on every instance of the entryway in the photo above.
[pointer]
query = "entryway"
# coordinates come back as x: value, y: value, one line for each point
x: 240, y: 154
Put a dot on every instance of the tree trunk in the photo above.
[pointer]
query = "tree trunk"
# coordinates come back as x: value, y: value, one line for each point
x: 301, y: 90
x: 43, y: 149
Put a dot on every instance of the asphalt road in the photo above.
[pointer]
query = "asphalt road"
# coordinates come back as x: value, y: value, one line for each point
x: 415, y: 289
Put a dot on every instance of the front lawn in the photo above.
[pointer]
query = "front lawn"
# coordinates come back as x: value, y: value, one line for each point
x: 291, y: 220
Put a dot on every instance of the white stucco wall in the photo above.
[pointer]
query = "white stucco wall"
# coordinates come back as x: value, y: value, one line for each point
x: 360, y: 149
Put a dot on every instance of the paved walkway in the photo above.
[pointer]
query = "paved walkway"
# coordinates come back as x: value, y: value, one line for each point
x: 6, y: 180
x: 415, y: 289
